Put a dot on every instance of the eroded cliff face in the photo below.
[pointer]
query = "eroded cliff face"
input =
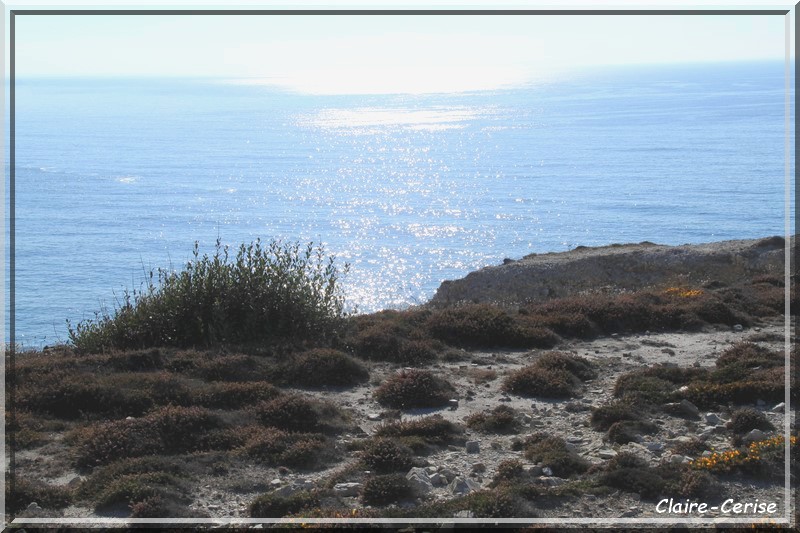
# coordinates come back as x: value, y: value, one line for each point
x: 536, y: 278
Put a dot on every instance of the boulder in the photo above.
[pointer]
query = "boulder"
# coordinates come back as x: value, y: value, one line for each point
x: 419, y: 481
x: 460, y: 486
x: 347, y: 489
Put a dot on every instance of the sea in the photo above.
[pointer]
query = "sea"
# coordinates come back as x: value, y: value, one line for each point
x: 115, y: 177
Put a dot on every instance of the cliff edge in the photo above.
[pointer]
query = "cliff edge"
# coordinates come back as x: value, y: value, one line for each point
x: 539, y: 277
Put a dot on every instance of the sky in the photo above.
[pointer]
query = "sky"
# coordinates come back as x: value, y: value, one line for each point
x: 377, y: 54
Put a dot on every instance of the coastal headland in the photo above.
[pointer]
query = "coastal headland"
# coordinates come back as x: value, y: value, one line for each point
x: 626, y: 381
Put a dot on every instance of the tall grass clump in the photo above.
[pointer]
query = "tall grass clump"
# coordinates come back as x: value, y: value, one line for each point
x: 276, y: 292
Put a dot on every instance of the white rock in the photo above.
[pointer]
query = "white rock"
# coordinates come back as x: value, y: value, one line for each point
x: 547, y: 471
x: 347, y: 489
x: 552, y: 481
x: 373, y: 416
x: 754, y: 435
x: 677, y: 459
x: 779, y: 408
x: 737, y: 327
x: 606, y: 454
x: 420, y: 482
x: 462, y: 485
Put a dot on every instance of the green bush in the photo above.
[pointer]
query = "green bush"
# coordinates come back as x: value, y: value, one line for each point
x: 413, y: 388
x: 264, y: 294
x: 275, y: 447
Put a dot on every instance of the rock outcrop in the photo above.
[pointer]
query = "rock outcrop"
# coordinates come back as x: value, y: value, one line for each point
x: 539, y: 277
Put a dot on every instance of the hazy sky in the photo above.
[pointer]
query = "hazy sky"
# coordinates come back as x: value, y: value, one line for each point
x: 368, y: 54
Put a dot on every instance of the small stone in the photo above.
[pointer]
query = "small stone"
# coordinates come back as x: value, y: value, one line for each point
x: 781, y: 407
x: 551, y: 480
x: 276, y: 482
x: 676, y: 459
x: 466, y: 513
x: 712, y: 419
x: 437, y: 480
x: 690, y: 408
x: 33, y: 506
x: 655, y: 446
x: 606, y: 454
x: 535, y: 470
x: 479, y: 467
x: 419, y: 481
x: 453, y: 403
x: 737, y: 327
x: 373, y: 416
x: 495, y: 445
x: 707, y: 453
x: 547, y: 471
x: 473, y: 446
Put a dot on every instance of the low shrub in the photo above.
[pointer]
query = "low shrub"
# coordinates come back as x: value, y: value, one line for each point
x: 553, y: 452
x: 20, y: 492
x: 274, y: 447
x: 605, y: 416
x: 655, y: 385
x: 383, y: 454
x: 486, y: 326
x: 711, y: 395
x: 627, y: 431
x: 273, y: 505
x: 508, y: 470
x: 578, y: 366
x: 414, y: 388
x: 749, y: 355
x: 322, y: 366
x: 166, y: 430
x: 385, y: 489
x: 264, y: 294
x: 432, y: 430
x: 537, y: 382
x: 235, y: 395
x: 492, y: 504
x: 501, y: 419
x: 746, y: 419
x: 217, y: 366
x: 294, y: 412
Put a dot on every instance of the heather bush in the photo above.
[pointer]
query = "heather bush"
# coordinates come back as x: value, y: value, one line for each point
x: 383, y: 454
x: 322, y: 366
x: 655, y: 385
x: 605, y: 416
x: 233, y: 395
x: 294, y: 412
x: 275, y: 447
x: 419, y: 434
x: 166, y: 430
x: 414, y: 388
x: 20, y: 492
x: 578, y: 366
x: 539, y: 382
x: 273, y: 505
x: 264, y: 294
x: 746, y: 419
x: 385, y: 489
x: 627, y: 431
x: 487, y: 326
x: 553, y: 452
x: 501, y: 419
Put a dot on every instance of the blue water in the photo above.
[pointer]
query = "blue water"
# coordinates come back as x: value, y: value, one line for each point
x: 116, y: 177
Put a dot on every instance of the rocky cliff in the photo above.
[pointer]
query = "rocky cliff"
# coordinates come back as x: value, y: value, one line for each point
x: 539, y: 277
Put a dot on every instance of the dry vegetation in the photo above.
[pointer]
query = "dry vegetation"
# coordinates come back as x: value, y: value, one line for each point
x: 142, y: 418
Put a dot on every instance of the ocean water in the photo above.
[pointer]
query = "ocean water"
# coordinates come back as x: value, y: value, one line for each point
x: 114, y: 177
